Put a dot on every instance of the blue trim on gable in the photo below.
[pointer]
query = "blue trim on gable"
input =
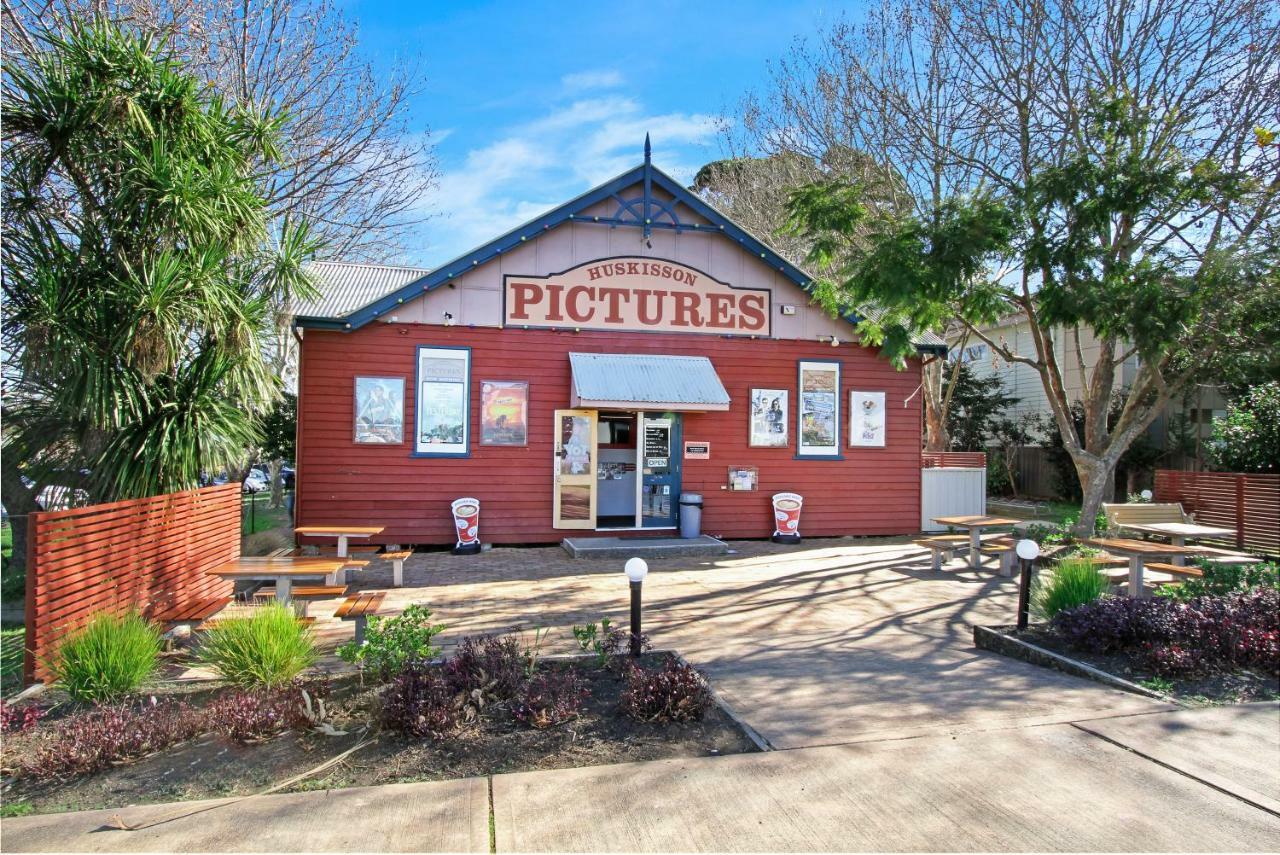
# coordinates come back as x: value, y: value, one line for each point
x: 646, y: 174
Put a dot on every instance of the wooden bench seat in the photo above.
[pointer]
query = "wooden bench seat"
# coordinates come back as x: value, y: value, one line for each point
x: 304, y: 591
x: 943, y: 547
x: 1120, y: 515
x: 353, y: 549
x: 192, y: 611
x: 397, y: 565
x: 1004, y: 548
x: 358, y: 607
x: 1173, y: 569
x: 1213, y: 555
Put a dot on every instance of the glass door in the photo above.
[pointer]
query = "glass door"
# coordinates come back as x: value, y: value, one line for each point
x: 659, y: 454
x: 574, y: 488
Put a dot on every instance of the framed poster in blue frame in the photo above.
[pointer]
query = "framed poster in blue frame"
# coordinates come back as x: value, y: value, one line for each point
x: 442, y: 402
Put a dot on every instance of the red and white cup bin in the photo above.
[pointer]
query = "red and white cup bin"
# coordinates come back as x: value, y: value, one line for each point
x: 786, y: 517
x: 466, y: 521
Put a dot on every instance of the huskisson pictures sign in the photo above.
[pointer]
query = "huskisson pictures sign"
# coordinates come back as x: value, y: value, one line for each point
x: 636, y: 294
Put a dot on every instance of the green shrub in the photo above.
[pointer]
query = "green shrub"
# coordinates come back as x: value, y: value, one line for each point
x: 391, y: 644
x: 268, y: 648
x: 1072, y: 583
x: 106, y: 658
x: 1222, y: 579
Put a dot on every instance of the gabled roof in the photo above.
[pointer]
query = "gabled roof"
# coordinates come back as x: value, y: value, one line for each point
x: 647, y: 213
x: 345, y: 288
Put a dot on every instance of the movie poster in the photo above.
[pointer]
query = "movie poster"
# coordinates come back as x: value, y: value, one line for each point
x: 768, y: 418
x: 504, y: 412
x: 379, y: 410
x: 866, y: 419
x: 443, y: 400
x: 819, y: 434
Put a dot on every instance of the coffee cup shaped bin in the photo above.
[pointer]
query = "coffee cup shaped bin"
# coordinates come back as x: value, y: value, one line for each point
x: 786, y: 517
x: 466, y: 521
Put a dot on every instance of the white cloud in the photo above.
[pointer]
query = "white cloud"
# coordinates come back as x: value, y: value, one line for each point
x: 534, y: 166
x: 585, y: 80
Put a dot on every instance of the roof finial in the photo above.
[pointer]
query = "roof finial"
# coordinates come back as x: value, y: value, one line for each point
x: 648, y: 150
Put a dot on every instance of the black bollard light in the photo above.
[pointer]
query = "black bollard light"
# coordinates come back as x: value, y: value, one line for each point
x: 1028, y: 550
x: 636, y: 569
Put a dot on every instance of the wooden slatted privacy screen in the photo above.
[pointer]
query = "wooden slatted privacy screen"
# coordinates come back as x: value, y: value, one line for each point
x: 140, y: 554
x: 1250, y: 504
x: 953, y: 460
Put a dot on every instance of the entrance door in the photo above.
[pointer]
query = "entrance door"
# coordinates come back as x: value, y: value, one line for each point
x: 574, y: 490
x: 660, y: 458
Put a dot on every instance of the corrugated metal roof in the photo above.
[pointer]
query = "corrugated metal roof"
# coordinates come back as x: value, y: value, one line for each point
x: 345, y: 288
x: 622, y: 378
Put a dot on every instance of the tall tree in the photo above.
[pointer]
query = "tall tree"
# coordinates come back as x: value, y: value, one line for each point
x: 1130, y: 183
x: 348, y: 162
x: 883, y: 93
x: 139, y: 275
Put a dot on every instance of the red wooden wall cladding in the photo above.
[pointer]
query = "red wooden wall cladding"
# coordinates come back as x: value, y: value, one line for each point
x: 137, y: 554
x: 1248, y: 503
x: 953, y: 460
x: 870, y: 491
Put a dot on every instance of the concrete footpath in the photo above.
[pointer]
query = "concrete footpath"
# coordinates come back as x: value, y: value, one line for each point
x: 1192, y: 780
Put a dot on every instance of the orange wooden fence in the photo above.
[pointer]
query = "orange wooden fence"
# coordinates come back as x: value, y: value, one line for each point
x: 139, y: 554
x: 1250, y: 504
x: 953, y: 460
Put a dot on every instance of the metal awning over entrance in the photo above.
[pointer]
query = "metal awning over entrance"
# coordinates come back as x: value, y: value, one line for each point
x: 623, y: 381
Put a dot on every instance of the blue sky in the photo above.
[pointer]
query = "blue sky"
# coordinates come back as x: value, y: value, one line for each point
x: 529, y: 104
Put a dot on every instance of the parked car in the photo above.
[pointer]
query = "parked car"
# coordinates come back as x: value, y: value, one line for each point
x: 254, y: 482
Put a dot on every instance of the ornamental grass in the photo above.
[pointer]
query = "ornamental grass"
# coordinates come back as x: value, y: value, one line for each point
x: 269, y: 647
x: 107, y: 658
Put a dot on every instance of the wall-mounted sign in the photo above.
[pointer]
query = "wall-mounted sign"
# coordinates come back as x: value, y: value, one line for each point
x: 657, y: 443
x: 444, y: 401
x: 697, y: 450
x: 743, y: 479
x: 866, y: 419
x: 636, y: 293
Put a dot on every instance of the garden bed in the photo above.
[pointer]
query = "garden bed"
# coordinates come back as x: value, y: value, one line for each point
x: 1128, y: 667
x: 215, y: 766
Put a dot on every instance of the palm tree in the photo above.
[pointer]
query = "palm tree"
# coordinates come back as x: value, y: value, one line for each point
x: 141, y: 282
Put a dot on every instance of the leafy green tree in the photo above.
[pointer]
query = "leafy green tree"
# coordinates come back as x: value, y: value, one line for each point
x: 140, y: 275
x: 976, y: 404
x: 279, y: 441
x: 1130, y: 230
x: 1248, y: 439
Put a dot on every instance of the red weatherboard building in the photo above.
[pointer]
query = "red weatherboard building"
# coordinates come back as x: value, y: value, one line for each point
x: 582, y: 371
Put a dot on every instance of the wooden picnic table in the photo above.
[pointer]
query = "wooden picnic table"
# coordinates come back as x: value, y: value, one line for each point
x: 1179, y: 532
x: 975, y: 525
x: 1138, y: 551
x: 341, y: 532
x: 281, y: 571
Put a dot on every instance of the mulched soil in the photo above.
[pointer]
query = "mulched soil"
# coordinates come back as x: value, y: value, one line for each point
x: 1229, y: 687
x: 213, y: 766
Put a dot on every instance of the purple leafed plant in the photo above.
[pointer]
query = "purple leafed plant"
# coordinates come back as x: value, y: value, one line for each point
x: 493, y: 664
x: 247, y: 714
x: 552, y: 697
x: 19, y: 718
x: 674, y: 691
x: 93, y: 740
x: 1200, y: 634
x: 420, y: 702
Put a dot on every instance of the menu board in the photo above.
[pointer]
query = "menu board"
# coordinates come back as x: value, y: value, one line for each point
x: 657, y: 443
